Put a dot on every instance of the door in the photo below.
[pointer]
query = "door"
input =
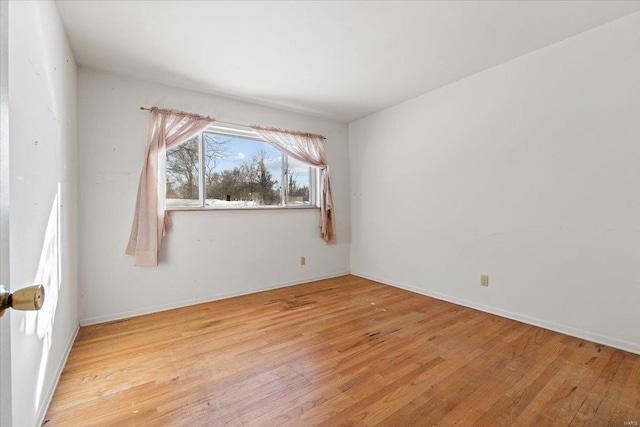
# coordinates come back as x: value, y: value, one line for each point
x: 5, y: 327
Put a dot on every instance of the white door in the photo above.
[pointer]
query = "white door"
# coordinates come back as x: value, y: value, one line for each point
x: 5, y: 327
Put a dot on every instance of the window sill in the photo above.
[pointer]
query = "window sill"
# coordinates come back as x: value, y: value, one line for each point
x: 257, y: 208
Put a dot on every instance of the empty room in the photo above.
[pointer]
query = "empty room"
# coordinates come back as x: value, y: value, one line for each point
x: 319, y: 213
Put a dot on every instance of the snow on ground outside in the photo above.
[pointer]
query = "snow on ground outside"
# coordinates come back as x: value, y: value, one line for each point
x: 222, y: 204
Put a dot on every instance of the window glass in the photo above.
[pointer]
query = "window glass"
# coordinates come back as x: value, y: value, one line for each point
x: 298, y: 177
x: 183, y: 174
x: 226, y: 169
x: 241, y: 172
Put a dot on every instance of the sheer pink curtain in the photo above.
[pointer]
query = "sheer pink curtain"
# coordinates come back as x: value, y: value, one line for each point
x: 307, y: 148
x: 167, y: 128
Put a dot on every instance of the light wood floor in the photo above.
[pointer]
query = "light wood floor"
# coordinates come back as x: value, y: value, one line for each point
x: 345, y: 351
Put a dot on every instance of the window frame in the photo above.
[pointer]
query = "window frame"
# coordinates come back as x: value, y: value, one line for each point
x: 239, y: 132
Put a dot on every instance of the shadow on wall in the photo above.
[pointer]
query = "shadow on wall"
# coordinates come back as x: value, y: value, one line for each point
x: 40, y: 323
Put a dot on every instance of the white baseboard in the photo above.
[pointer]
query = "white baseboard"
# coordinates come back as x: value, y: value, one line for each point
x: 46, y: 401
x: 193, y: 301
x: 563, y: 329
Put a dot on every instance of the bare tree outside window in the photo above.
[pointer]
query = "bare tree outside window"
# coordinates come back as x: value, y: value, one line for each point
x: 183, y: 172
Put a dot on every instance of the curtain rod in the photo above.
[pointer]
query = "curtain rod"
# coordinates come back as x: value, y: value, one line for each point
x: 221, y: 121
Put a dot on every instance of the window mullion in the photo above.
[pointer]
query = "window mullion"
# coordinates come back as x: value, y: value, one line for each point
x: 201, y: 152
x: 285, y: 179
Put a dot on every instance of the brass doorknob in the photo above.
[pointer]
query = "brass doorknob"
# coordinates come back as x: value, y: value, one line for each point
x: 30, y: 298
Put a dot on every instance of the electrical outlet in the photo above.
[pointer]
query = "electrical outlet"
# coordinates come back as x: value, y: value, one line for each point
x: 484, y: 280
x: 303, y: 261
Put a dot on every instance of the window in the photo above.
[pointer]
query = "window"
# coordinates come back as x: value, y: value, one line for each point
x: 231, y: 168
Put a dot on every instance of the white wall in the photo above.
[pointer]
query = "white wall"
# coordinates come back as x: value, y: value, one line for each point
x: 206, y: 255
x: 43, y: 249
x: 528, y: 172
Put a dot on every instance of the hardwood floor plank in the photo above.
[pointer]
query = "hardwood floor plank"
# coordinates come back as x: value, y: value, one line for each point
x: 343, y: 351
